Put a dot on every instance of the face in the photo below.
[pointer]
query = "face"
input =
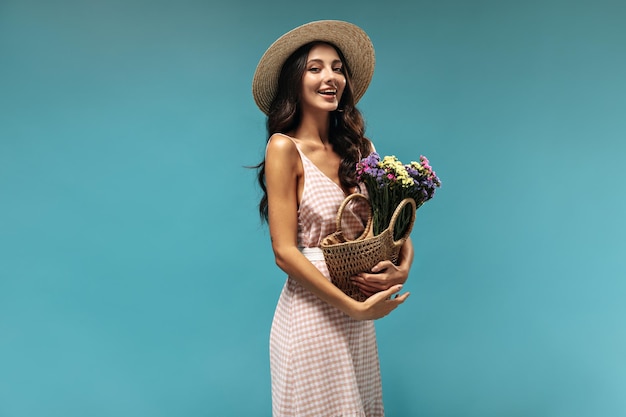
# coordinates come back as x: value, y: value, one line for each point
x: 323, y: 82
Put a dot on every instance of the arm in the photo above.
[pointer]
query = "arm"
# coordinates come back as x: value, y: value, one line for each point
x: 283, y: 170
x: 385, y: 274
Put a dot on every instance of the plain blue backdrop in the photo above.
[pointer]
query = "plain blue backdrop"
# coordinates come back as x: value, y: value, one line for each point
x: 135, y: 276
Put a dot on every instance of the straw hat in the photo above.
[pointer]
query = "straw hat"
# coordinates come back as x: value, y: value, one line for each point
x: 353, y: 42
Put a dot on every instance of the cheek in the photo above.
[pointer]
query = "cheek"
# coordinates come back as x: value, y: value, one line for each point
x: 342, y: 83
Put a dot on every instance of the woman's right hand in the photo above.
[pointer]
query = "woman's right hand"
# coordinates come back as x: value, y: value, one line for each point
x: 379, y: 304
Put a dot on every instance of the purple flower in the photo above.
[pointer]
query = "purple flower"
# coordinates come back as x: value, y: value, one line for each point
x: 387, y: 185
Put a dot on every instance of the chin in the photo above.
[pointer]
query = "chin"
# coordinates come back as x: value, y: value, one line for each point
x: 331, y: 107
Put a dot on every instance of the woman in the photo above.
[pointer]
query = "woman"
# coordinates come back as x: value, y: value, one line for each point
x: 323, y: 354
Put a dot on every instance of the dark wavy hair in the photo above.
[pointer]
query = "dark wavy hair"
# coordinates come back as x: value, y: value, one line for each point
x: 346, y: 131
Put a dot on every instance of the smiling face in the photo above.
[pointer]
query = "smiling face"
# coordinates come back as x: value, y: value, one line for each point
x: 323, y: 81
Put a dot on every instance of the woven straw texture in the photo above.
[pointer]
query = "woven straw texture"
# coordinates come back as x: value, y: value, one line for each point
x: 346, y: 258
x: 353, y: 42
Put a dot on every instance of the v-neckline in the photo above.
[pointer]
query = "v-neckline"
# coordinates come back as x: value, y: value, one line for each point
x: 302, y: 154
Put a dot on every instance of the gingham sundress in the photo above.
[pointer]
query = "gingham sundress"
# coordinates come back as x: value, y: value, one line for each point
x: 323, y: 363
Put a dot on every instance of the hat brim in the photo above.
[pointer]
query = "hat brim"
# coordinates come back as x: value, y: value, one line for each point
x: 353, y: 42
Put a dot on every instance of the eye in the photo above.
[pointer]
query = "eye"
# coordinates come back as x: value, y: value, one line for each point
x: 314, y: 69
x: 338, y: 69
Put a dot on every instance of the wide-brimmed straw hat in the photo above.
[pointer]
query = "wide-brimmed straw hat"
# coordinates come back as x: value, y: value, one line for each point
x: 353, y: 42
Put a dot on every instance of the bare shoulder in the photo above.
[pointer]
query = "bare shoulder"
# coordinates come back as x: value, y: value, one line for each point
x: 281, y: 150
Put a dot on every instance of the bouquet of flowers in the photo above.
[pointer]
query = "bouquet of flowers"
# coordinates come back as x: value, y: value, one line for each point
x: 388, y: 182
x: 395, y: 191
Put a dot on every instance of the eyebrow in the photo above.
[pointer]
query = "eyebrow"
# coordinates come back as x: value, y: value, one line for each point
x: 317, y: 60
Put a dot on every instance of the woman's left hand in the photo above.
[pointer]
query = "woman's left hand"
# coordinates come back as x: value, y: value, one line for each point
x: 384, y: 275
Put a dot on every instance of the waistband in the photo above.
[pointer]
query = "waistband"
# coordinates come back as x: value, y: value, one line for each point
x: 313, y: 254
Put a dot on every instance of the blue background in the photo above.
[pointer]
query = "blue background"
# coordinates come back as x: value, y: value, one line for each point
x: 137, y: 280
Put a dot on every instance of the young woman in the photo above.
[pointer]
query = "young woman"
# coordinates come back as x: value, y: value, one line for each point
x: 323, y: 354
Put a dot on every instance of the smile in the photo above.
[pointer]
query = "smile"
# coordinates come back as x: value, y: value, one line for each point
x: 328, y: 92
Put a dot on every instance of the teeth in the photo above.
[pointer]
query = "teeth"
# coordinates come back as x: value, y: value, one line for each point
x: 328, y: 91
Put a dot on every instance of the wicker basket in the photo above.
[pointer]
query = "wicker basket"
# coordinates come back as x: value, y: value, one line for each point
x: 346, y: 258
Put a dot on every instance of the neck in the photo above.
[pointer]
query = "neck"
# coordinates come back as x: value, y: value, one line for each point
x: 314, y: 126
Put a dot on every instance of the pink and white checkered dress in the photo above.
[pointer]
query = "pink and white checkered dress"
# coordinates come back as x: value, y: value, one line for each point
x: 323, y: 363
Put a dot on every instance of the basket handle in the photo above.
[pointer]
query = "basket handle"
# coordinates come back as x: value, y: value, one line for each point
x: 343, y: 205
x: 396, y: 214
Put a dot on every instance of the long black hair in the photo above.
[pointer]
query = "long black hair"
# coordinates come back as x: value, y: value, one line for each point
x: 346, y: 131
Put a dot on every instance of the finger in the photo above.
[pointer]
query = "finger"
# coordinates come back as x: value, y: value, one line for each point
x: 388, y: 293
x: 395, y: 301
x: 368, y: 291
x: 373, y: 278
x: 376, y: 298
x: 402, y: 298
x: 382, y: 265
x: 380, y: 278
x: 369, y: 288
x: 361, y: 282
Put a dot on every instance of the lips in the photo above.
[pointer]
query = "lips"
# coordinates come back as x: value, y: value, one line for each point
x: 328, y: 92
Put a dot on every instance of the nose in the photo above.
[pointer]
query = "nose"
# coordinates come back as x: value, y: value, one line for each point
x: 332, y: 78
